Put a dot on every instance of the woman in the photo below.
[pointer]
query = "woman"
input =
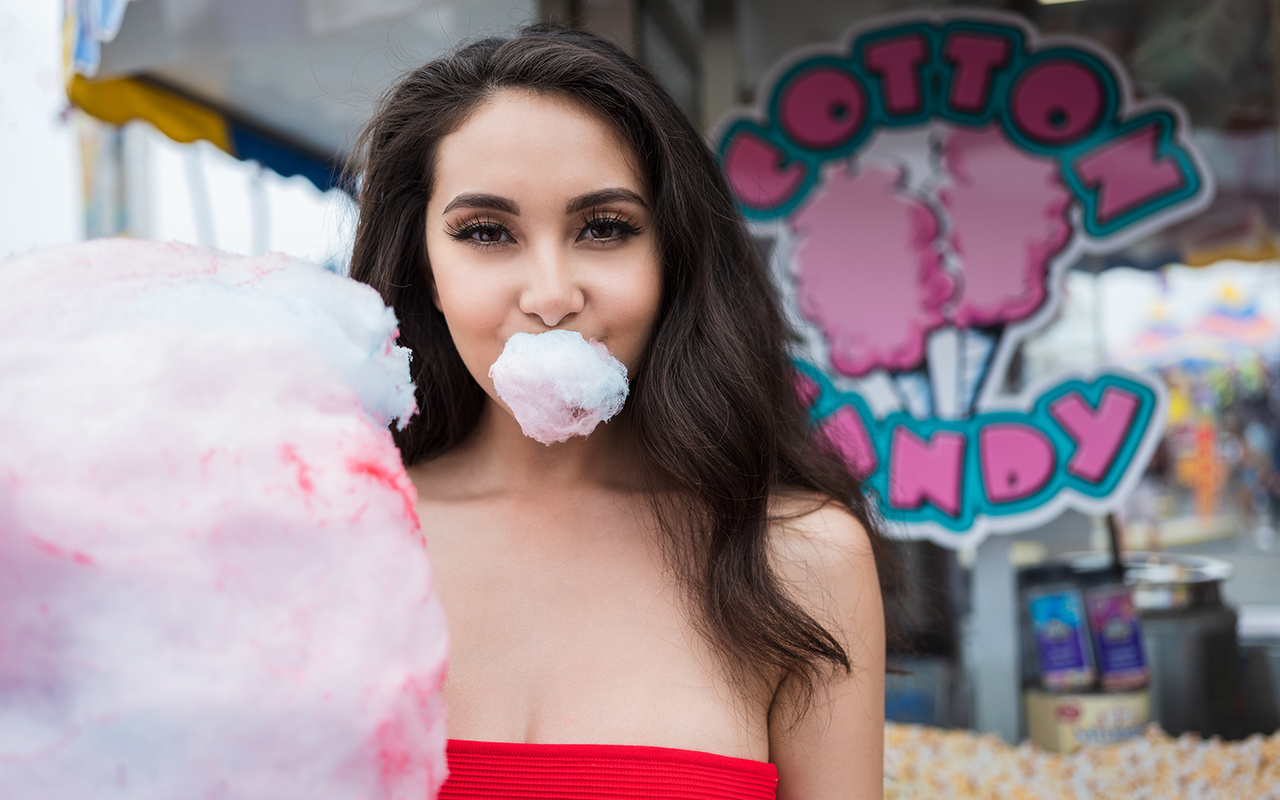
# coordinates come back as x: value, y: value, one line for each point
x: 697, y: 575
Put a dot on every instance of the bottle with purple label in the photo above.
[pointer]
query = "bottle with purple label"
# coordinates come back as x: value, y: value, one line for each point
x: 1117, y: 632
x: 1061, y: 633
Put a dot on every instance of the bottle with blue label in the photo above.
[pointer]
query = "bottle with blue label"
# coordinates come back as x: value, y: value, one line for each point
x: 1060, y: 629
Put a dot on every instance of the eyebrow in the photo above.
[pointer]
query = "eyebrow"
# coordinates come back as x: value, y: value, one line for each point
x: 612, y: 195
x: 490, y: 202
x: 493, y: 202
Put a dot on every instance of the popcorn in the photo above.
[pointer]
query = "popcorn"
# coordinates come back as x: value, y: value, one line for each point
x: 212, y: 579
x: 924, y: 762
x: 558, y: 385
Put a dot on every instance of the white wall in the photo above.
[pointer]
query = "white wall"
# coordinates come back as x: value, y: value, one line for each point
x: 39, y: 160
x: 41, y: 178
x: 196, y: 193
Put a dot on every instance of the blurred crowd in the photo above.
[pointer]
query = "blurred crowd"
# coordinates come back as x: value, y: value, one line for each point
x: 1219, y: 461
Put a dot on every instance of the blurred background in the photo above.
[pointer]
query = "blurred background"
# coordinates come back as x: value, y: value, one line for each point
x: 225, y: 122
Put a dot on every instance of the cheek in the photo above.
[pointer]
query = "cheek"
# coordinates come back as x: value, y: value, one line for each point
x: 652, y: 292
x: 645, y: 308
x: 464, y: 299
x: 472, y: 324
x: 472, y: 316
x: 639, y: 308
x: 477, y: 351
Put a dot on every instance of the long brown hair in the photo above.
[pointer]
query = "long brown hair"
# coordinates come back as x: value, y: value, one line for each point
x: 719, y: 424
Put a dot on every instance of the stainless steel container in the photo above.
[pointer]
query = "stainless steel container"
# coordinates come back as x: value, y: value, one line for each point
x: 1190, y: 640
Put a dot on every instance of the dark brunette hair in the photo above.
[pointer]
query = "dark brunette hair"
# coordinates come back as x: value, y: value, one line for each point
x: 719, y: 424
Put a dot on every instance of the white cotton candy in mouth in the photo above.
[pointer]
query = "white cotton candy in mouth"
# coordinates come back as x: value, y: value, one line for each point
x: 559, y: 385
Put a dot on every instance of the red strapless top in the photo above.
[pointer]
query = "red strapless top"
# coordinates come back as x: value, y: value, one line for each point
x: 503, y: 770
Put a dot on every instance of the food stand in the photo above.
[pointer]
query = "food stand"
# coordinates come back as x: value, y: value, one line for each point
x: 925, y: 183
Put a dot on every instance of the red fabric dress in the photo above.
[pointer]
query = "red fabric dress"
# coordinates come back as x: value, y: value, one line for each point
x: 503, y: 770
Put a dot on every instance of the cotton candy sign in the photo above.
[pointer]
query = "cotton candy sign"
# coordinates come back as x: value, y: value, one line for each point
x: 213, y: 583
x: 926, y: 183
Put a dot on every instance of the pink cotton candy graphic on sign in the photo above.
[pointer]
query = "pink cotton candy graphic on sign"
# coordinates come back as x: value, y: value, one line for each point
x: 1007, y: 216
x: 212, y: 579
x: 867, y: 270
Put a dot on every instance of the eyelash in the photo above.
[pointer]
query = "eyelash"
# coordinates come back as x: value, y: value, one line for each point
x: 466, y: 228
x: 626, y: 227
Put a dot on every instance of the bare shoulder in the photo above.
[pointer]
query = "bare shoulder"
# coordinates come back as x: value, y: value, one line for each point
x: 817, y: 545
x: 833, y: 746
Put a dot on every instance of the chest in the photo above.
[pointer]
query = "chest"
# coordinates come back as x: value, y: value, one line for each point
x: 566, y: 625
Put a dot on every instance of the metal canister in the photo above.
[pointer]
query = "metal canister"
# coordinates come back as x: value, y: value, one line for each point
x: 1190, y: 640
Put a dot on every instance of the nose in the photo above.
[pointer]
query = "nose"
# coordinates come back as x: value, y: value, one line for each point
x: 551, y: 292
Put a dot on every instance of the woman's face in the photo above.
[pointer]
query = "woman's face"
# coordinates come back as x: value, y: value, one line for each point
x: 539, y: 221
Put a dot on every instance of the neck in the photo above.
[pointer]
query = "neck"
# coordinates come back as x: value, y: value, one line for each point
x: 511, y: 461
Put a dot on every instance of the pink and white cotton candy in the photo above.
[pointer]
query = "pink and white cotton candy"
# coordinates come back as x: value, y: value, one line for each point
x: 558, y: 385
x: 212, y: 579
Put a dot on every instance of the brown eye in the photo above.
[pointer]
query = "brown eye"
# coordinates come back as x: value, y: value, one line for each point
x: 607, y: 229
x: 488, y: 234
x: 603, y: 230
x: 480, y: 233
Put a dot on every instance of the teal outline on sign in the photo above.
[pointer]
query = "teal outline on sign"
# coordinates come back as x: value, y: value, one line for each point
x: 1111, y: 102
x: 974, y: 503
x: 936, y: 82
x: 1000, y: 80
x: 875, y: 89
x: 1165, y: 146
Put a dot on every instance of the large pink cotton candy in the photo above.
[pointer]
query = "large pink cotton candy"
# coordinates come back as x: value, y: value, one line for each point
x: 558, y: 385
x: 868, y: 271
x: 1007, y: 218
x: 212, y: 579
